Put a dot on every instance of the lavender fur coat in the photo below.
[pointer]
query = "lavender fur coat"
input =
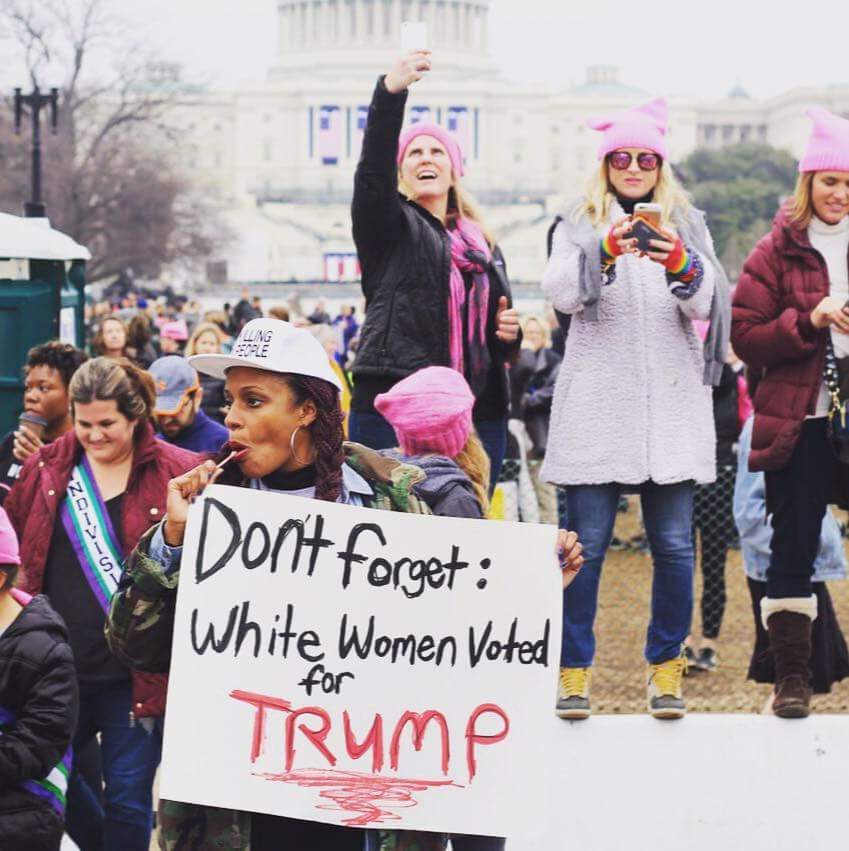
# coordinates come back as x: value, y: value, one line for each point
x: 629, y: 404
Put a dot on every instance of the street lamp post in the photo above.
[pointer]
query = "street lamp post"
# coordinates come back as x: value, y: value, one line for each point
x: 36, y: 101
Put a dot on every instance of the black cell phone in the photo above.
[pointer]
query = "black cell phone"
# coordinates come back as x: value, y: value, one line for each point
x: 643, y: 232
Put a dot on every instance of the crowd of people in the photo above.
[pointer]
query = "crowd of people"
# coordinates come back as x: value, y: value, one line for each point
x: 455, y: 405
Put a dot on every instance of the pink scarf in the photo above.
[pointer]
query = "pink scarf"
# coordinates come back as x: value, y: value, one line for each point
x: 470, y: 254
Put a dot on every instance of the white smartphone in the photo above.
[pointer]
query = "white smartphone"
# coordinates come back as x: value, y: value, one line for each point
x: 413, y: 36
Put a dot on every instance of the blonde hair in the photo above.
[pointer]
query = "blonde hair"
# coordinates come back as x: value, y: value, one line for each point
x: 802, y: 202
x: 544, y: 327
x: 200, y: 330
x: 461, y: 205
x: 598, y: 195
x: 106, y: 379
x: 474, y: 462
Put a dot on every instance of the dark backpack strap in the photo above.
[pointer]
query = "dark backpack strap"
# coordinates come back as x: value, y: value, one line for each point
x: 563, y: 320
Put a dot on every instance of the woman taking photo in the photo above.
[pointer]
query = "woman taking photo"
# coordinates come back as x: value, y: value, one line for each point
x: 435, y: 284
x: 791, y: 319
x: 110, y: 460
x: 633, y: 409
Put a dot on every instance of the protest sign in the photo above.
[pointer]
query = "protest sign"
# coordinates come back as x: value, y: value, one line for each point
x: 362, y: 667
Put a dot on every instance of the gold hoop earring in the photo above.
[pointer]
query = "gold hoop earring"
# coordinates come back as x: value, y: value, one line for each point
x: 292, y: 448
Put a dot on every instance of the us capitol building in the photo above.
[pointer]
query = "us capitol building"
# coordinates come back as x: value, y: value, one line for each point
x: 283, y: 154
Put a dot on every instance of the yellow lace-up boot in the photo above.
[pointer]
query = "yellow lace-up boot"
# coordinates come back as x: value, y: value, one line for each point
x: 573, y: 700
x: 665, y: 697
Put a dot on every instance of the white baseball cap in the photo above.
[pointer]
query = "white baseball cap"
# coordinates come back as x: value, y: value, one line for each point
x: 275, y: 346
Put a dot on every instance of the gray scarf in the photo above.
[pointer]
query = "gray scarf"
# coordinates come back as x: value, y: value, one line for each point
x: 694, y: 234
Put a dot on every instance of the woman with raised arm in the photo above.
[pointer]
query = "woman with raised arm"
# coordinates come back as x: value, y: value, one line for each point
x: 434, y: 281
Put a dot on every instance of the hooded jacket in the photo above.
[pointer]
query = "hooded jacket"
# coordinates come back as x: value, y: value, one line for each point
x: 35, y: 499
x: 38, y: 714
x: 447, y: 489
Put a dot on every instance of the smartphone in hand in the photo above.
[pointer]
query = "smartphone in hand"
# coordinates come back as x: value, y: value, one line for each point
x: 643, y: 232
x: 413, y: 37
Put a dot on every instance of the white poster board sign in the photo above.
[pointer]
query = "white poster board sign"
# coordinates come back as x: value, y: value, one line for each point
x: 362, y: 667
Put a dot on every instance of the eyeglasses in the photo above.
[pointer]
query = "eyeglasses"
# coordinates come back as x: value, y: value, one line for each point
x: 620, y: 160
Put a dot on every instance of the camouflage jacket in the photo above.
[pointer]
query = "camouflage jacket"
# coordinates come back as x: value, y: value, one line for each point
x: 139, y: 631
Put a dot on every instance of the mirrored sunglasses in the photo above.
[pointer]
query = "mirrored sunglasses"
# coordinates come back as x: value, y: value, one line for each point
x: 620, y: 160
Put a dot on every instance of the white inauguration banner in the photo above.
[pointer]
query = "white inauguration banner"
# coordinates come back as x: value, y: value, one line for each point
x: 363, y: 667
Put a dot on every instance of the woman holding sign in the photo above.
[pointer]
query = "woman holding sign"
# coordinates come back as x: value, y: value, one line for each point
x: 286, y: 436
x: 632, y: 263
x: 80, y: 505
x: 434, y: 281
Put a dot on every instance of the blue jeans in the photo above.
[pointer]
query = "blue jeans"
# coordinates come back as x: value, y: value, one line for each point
x: 668, y: 518
x: 493, y: 435
x: 130, y: 756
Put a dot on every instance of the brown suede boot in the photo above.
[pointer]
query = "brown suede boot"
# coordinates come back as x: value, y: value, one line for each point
x: 790, y: 644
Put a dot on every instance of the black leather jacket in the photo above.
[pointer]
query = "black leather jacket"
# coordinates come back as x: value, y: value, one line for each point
x: 405, y: 258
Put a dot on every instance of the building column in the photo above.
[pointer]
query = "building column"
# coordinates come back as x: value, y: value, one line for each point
x: 395, y: 20
x: 309, y: 11
x: 484, y: 13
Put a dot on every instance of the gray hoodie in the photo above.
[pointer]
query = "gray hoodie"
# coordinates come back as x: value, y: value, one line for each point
x: 447, y: 489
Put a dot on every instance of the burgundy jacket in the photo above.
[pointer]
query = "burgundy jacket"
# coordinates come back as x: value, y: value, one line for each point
x: 35, y: 499
x: 783, y: 280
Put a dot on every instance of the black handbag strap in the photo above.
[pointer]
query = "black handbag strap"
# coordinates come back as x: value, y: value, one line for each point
x: 831, y: 375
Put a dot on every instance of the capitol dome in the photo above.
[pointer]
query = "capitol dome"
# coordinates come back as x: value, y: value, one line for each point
x: 326, y: 36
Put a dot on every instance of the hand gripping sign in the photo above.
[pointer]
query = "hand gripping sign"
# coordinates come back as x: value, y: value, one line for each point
x: 362, y: 667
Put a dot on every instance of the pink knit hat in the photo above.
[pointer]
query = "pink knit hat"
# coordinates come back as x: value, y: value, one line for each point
x: 452, y: 146
x: 430, y: 410
x: 828, y: 145
x: 175, y: 330
x: 641, y: 127
x: 9, y: 551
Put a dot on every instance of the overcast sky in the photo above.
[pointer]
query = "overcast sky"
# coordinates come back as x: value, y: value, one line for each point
x: 689, y: 46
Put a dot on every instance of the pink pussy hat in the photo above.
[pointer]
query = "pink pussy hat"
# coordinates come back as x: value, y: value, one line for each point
x: 828, y: 144
x: 452, y: 146
x: 641, y: 127
x: 176, y: 330
x: 430, y: 410
x: 9, y: 550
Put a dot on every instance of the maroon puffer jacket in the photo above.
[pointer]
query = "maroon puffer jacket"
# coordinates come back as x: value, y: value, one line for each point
x: 783, y: 280
x: 34, y: 502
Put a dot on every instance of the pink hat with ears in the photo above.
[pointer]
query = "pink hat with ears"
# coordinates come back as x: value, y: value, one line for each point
x: 828, y: 144
x: 175, y: 330
x: 430, y: 410
x: 452, y: 146
x: 9, y: 548
x: 641, y: 127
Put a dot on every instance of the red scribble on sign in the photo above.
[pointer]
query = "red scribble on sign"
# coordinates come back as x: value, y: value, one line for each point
x: 367, y: 796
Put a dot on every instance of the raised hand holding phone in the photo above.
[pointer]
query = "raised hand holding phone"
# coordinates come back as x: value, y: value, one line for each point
x: 409, y: 69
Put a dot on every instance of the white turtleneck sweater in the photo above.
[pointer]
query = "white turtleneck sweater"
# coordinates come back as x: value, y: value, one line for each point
x: 832, y: 241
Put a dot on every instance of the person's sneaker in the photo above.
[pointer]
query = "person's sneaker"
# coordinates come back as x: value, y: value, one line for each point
x: 573, y: 700
x: 707, y: 660
x: 692, y: 660
x: 665, y: 697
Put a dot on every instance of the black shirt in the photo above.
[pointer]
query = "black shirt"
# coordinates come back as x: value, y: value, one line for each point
x: 69, y: 592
